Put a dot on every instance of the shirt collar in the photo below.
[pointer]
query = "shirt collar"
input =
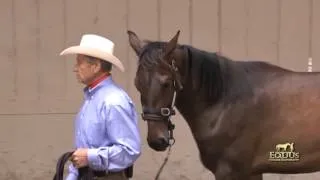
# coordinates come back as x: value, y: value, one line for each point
x: 102, y: 81
x: 98, y: 80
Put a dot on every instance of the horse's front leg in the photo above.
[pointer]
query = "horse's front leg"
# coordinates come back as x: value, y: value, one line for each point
x: 226, y: 170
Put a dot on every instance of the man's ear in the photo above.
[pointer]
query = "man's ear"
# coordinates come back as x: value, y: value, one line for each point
x: 96, y: 66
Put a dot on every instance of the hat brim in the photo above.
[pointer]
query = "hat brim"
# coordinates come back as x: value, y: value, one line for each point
x: 94, y: 53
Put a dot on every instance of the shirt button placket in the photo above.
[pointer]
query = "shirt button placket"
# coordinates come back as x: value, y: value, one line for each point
x: 82, y: 116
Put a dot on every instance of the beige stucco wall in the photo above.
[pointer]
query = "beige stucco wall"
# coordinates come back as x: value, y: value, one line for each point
x: 39, y: 94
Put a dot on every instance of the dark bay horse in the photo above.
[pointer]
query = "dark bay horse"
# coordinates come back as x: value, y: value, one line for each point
x: 247, y: 118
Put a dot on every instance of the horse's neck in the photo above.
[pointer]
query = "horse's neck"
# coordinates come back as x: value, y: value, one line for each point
x: 189, y: 101
x: 188, y: 106
x: 186, y: 99
x: 192, y: 103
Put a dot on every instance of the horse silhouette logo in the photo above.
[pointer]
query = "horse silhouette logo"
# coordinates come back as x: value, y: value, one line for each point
x: 285, y: 147
x: 284, y: 152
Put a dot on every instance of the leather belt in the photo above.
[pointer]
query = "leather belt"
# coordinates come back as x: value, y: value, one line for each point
x: 99, y: 173
x: 128, y: 172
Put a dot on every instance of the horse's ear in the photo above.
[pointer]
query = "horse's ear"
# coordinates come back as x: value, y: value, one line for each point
x: 171, y: 46
x: 135, y: 42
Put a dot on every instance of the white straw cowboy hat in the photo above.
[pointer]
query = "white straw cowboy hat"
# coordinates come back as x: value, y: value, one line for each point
x: 95, y: 46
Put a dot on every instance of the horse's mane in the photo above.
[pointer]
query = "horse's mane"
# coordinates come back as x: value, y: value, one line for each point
x: 213, y: 74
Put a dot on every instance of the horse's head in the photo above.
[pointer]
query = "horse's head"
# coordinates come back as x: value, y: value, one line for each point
x: 157, y: 79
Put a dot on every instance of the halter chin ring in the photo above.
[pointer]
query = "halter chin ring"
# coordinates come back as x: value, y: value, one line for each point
x: 166, y: 111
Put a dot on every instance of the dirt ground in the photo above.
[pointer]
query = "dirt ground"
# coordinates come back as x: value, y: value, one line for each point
x: 30, y: 153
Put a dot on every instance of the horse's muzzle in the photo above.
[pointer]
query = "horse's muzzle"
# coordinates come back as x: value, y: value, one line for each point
x: 159, y: 144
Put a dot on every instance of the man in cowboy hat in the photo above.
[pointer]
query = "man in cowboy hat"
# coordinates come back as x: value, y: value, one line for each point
x: 107, y: 137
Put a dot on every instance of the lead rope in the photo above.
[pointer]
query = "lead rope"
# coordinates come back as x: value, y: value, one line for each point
x: 163, y: 164
x: 171, y: 138
x: 168, y: 154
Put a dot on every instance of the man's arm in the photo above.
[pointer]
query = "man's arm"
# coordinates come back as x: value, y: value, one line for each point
x: 73, y: 173
x: 123, y: 131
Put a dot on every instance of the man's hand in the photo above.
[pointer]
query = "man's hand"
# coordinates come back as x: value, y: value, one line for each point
x: 80, y: 158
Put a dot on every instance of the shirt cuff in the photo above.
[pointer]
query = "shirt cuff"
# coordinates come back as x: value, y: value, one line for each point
x: 73, y: 173
x: 94, y: 159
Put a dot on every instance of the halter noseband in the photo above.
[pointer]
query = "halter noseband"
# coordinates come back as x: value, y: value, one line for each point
x: 165, y: 113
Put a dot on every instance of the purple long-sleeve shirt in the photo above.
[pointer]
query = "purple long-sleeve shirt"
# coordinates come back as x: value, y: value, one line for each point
x: 107, y: 124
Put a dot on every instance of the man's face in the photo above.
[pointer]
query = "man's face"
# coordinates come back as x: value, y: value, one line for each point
x: 84, y: 70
